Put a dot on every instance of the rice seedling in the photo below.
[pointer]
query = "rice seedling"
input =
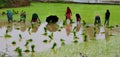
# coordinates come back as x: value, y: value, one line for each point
x: 19, y: 51
x: 27, y: 51
x: 29, y: 40
x: 54, y: 45
x: 75, y: 41
x: 29, y: 29
x: 117, y: 25
x: 45, y: 31
x: 111, y: 34
x: 26, y: 44
x: 64, y: 22
x: 74, y: 33
x: 51, y: 36
x: 75, y: 36
x: 20, y: 36
x: 45, y: 41
x: 33, y: 47
x: 8, y: 26
x: 84, y: 23
x: 110, y: 27
x: 7, y: 36
x: 6, y: 32
x: 85, y: 38
x: 62, y: 42
x: 13, y: 43
x: 59, y: 29
x: 17, y: 28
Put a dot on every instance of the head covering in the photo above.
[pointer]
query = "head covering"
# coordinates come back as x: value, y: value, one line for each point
x: 34, y: 16
x: 68, y: 10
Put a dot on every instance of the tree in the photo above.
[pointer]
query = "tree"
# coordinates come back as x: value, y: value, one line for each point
x: 1, y: 3
x: 14, y: 3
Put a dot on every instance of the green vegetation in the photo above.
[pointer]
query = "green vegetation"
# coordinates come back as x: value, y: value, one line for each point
x: 99, y: 48
x: 29, y: 40
x: 33, y: 47
x: 87, y: 11
x: 19, y: 51
x: 27, y: 51
x: 13, y: 43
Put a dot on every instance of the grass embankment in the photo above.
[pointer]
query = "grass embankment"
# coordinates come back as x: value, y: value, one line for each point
x: 87, y: 11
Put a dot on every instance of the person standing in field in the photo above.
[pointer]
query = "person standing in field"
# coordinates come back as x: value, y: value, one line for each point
x: 68, y: 14
x: 78, y: 18
x: 9, y: 16
x: 97, y: 20
x: 22, y: 16
x: 35, y: 18
x: 107, y: 16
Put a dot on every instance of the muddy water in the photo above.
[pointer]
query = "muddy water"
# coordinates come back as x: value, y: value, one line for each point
x: 36, y: 33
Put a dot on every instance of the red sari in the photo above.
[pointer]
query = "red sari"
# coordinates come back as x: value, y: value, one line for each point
x: 68, y: 13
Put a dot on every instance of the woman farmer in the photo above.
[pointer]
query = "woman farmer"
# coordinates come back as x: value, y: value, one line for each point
x: 78, y: 18
x: 9, y: 15
x: 22, y: 16
x: 35, y: 18
x: 97, y: 20
x: 68, y: 14
x: 107, y: 16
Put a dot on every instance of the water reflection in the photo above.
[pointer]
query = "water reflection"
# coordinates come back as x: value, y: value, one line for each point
x: 66, y: 34
x: 35, y: 28
x: 78, y: 27
x: 10, y: 27
x: 100, y: 32
x: 52, y: 27
x: 107, y: 34
x: 23, y: 27
x: 90, y: 31
x: 68, y: 29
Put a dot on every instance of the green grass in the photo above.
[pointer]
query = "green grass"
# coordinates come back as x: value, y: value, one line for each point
x: 87, y: 11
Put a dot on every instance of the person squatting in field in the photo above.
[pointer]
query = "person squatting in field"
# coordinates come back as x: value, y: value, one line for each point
x: 97, y: 20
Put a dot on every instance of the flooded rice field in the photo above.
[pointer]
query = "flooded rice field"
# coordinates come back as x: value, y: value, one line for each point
x: 19, y: 38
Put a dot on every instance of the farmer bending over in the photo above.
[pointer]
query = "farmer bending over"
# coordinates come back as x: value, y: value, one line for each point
x: 97, y: 20
x: 22, y: 16
x: 78, y: 18
x: 35, y: 18
x: 9, y: 16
